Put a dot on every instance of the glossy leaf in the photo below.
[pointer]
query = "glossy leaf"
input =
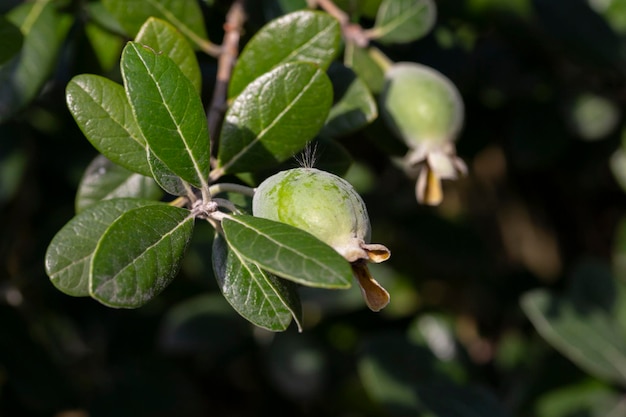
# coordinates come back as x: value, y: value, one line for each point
x: 186, y: 16
x: 169, y: 112
x: 286, y: 251
x: 587, y: 335
x: 296, y: 37
x: 10, y: 40
x: 69, y: 254
x: 401, y: 21
x: 139, y: 255
x: 354, y: 106
x: 164, y: 38
x: 260, y: 297
x: 295, y: 97
x: 166, y: 179
x: 22, y: 77
x: 104, y: 180
x: 102, y: 112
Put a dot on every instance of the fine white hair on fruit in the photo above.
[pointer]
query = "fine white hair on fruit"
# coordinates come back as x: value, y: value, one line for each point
x: 308, y: 157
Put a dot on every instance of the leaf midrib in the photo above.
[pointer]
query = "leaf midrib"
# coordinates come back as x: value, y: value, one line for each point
x: 609, y: 355
x: 200, y: 174
x: 311, y: 41
x: 400, y: 19
x: 246, y: 264
x: 113, y: 278
x: 276, y: 120
x: 111, y: 116
x: 287, y: 248
x: 185, y: 29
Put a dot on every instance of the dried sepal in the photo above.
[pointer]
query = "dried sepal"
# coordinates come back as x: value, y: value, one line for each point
x: 375, y: 296
x: 432, y: 164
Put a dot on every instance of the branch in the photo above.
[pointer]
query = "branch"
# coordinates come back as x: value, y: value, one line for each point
x: 229, y: 52
x: 352, y: 32
x: 332, y: 9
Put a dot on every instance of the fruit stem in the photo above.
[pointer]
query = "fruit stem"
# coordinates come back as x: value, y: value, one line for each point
x: 381, y: 59
x: 225, y: 187
x: 179, y: 202
x: 227, y: 204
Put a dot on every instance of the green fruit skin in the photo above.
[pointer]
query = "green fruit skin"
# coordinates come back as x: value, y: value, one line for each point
x: 421, y: 104
x: 318, y: 202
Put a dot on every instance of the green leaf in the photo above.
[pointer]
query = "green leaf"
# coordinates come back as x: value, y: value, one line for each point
x: 139, y: 255
x: 106, y: 45
x: 102, y: 112
x: 69, y: 254
x: 166, y: 179
x: 587, y: 335
x: 169, y: 112
x: 11, y: 40
x: 22, y: 77
x: 586, y: 398
x: 163, y: 37
x: 186, y: 16
x: 260, y: 297
x: 300, y: 36
x: 405, y: 379
x: 287, y: 251
x: 354, y: 106
x: 274, y: 117
x: 369, y: 64
x: 104, y: 180
x: 100, y: 16
x: 400, y: 21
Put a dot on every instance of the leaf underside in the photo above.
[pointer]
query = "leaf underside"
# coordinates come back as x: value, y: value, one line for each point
x: 258, y: 296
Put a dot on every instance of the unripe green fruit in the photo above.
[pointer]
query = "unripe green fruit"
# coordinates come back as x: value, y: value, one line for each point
x: 320, y: 203
x: 421, y: 105
x: 329, y: 208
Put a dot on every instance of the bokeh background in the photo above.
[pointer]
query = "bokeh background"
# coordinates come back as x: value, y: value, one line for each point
x: 507, y: 300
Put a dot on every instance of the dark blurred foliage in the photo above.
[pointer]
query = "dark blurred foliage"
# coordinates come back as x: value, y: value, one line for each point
x: 538, y: 201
